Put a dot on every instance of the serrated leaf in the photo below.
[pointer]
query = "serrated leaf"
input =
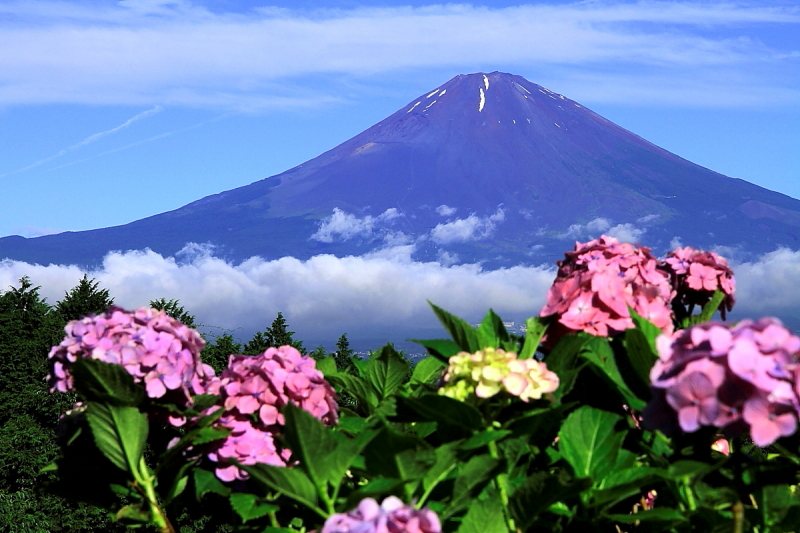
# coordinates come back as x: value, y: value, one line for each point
x: 589, y: 442
x: 98, y: 381
x: 359, y: 388
x: 386, y: 371
x: 205, y: 482
x: 133, y: 514
x: 119, y: 432
x: 535, y: 328
x: 201, y: 402
x: 564, y: 360
x: 462, y: 333
x: 446, y: 461
x: 427, y: 371
x: 249, y: 506
x: 441, y: 349
x: 484, y: 516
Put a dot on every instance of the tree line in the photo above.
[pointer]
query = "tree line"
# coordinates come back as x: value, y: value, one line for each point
x: 29, y: 413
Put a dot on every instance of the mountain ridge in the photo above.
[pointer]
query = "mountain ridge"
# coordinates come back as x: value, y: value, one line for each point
x: 484, y: 145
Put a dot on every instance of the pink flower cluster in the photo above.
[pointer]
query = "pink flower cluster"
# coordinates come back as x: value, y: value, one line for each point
x: 696, y: 274
x: 391, y: 516
x: 252, y: 390
x: 598, y: 281
x: 157, y: 350
x: 733, y: 378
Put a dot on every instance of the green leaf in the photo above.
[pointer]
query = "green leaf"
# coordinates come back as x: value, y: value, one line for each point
x: 445, y: 410
x: 589, y: 442
x: 249, y: 506
x: 564, y: 360
x: 535, y: 328
x: 492, y: 332
x: 621, y: 484
x: 446, y: 461
x: 598, y: 352
x: 98, y: 381
x: 201, y: 402
x: 441, y: 349
x: 205, y: 482
x: 483, y: 438
x: 485, y: 516
x: 386, y: 371
x: 178, y: 486
x: 773, y: 504
x: 539, y: 492
x: 427, y: 371
x: 119, y: 432
x: 291, y: 482
x: 327, y: 365
x: 356, y: 386
x: 540, y: 425
x: 310, y: 442
x: 376, y: 488
x: 395, y: 455
x: 473, y: 476
x: 134, y: 515
x: 463, y: 334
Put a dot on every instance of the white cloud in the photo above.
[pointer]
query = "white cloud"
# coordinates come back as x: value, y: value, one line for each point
x: 593, y: 228
x: 347, y: 226
x: 145, y: 52
x: 446, y: 210
x: 321, y: 297
x: 769, y: 286
x: 626, y: 232
x: 472, y: 228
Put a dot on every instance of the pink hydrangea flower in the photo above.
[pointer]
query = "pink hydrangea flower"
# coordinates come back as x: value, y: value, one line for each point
x: 391, y: 516
x: 158, y: 351
x: 744, y: 376
x: 253, y: 389
x: 697, y: 274
x: 596, y: 284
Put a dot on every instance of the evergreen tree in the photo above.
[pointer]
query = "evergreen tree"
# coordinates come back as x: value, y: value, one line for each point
x: 83, y: 299
x: 344, y: 356
x: 28, y: 414
x: 174, y: 309
x: 276, y: 335
x: 216, y: 353
x: 318, y: 353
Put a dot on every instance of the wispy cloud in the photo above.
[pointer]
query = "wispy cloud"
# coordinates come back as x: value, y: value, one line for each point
x: 472, y: 228
x: 183, y: 54
x: 88, y: 140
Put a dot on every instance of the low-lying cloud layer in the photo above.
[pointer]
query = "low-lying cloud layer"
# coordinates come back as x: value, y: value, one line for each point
x: 376, y: 296
x: 379, y: 295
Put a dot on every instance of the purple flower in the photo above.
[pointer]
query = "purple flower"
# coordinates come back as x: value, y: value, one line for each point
x: 391, y: 516
x: 158, y: 351
x: 253, y: 389
x: 734, y: 378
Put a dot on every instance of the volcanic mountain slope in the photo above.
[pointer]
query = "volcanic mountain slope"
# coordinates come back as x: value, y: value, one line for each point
x: 487, y: 167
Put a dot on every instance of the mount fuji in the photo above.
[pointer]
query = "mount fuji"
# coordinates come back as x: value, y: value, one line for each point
x: 487, y: 168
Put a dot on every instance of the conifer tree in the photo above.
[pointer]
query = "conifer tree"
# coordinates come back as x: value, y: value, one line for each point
x: 174, y: 309
x: 276, y: 335
x: 344, y: 356
x: 83, y: 299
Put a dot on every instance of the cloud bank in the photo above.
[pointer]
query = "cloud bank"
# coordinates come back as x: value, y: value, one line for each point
x: 377, y: 296
x: 181, y: 53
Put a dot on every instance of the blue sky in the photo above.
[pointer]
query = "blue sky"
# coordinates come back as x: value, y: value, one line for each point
x: 113, y: 111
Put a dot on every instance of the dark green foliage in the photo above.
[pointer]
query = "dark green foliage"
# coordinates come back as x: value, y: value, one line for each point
x: 174, y: 309
x: 344, y: 356
x: 29, y: 412
x: 83, y: 299
x: 276, y: 335
x: 216, y: 353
